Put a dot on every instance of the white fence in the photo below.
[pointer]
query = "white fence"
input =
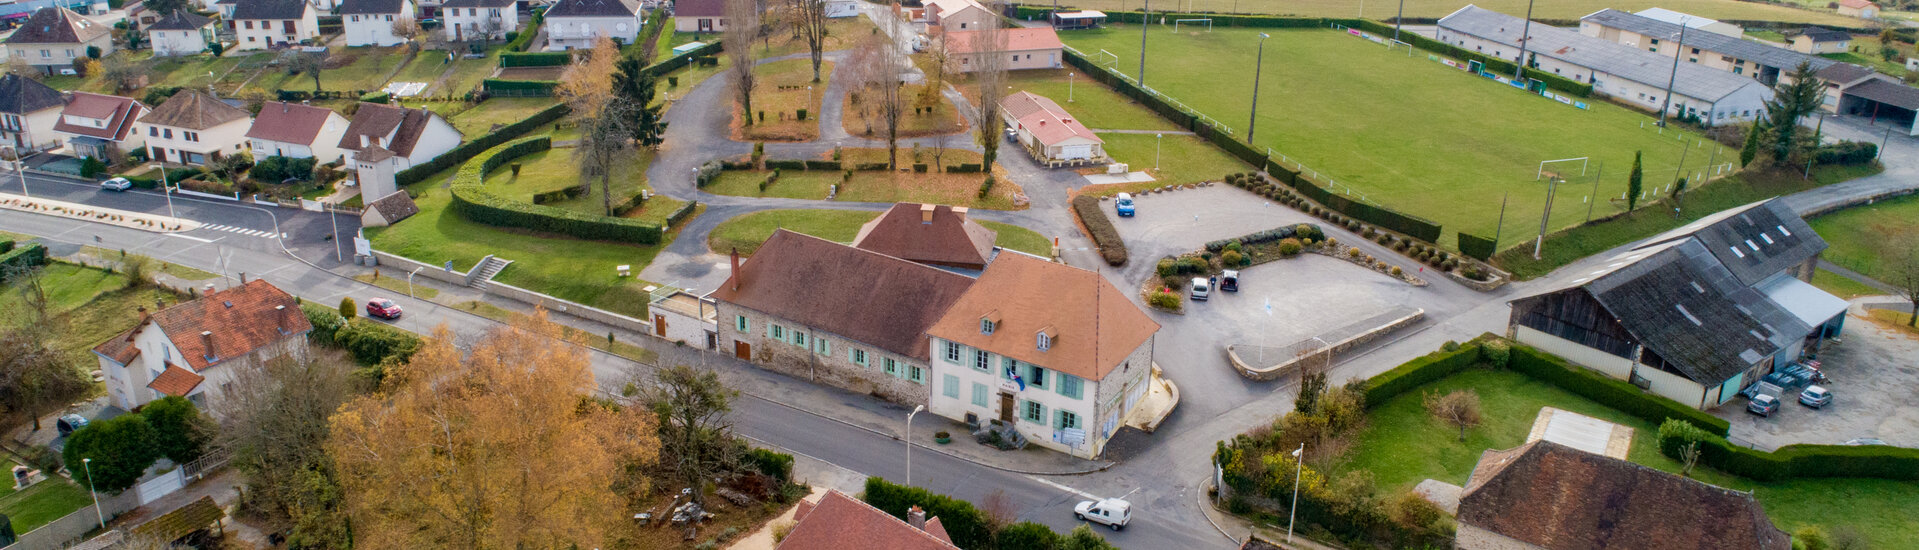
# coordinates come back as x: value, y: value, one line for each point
x: 161, y: 485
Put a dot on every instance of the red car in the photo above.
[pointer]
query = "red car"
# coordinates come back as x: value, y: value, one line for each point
x: 382, y: 308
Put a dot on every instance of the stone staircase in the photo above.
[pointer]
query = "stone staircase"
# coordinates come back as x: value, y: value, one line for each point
x: 482, y: 273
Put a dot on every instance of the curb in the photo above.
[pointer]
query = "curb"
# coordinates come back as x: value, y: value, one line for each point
x: 1103, y: 467
x: 1199, y: 497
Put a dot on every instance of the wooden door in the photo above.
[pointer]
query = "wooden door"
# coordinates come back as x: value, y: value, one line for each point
x: 659, y: 325
x: 743, y: 350
x: 1005, y: 407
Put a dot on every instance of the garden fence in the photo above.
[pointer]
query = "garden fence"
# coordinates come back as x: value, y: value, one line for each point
x: 69, y: 529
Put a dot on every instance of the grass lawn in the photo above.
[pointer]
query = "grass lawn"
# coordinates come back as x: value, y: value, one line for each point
x: 1094, y: 104
x: 553, y: 169
x: 480, y: 119
x: 617, y: 347
x: 870, y: 186
x: 467, y: 73
x: 1341, y: 106
x: 1837, y: 285
x: 1403, y: 445
x: 67, y: 287
x: 1895, y: 321
x: 938, y: 119
x: 1866, y: 52
x: 746, y: 232
x: 1568, y: 245
x: 781, y: 90
x: 1866, y: 238
x: 395, y: 281
x: 1767, y: 35
x: 1563, y: 9
x: 678, y: 82
x: 91, y: 305
x: 950, y: 157
x: 44, y: 502
x: 1181, y: 158
x: 362, y: 69
x: 841, y: 33
x: 426, y: 67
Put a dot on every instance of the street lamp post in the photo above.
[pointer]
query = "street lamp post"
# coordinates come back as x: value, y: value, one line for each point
x: 409, y: 281
x: 1258, y: 63
x: 1397, y: 19
x: 1069, y: 87
x: 88, y: 464
x: 1678, y: 51
x: 1157, y: 140
x: 166, y: 187
x: 20, y: 168
x: 1293, y: 513
x: 909, y: 442
x: 1145, y: 20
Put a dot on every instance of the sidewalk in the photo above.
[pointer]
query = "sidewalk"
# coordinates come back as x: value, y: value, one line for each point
x: 1238, y: 528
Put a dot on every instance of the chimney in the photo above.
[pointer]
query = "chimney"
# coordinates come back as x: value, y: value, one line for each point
x: 280, y: 317
x: 243, y: 277
x: 926, y: 213
x: 284, y: 106
x: 206, y: 341
x: 144, y: 316
x: 735, y: 274
x: 207, y: 291
x: 916, y: 517
x: 961, y: 212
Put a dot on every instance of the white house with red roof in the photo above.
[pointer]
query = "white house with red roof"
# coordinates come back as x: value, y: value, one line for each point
x: 295, y: 130
x: 93, y: 124
x: 382, y: 140
x: 957, y: 15
x: 837, y: 521
x: 1026, y: 48
x: 193, y: 349
x: 1050, y: 133
x: 1863, y: 9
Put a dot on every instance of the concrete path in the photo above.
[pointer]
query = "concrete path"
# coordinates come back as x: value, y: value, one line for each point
x: 1900, y: 157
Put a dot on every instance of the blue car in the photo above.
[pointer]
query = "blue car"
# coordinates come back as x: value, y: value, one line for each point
x: 1125, y: 205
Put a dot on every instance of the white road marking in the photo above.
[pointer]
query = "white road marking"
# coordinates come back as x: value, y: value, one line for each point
x: 190, y: 238
x: 1086, y: 495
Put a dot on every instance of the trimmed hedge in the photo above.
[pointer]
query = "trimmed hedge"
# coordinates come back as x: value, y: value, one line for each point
x: 1846, y: 152
x: 369, y: 342
x: 964, y: 168
x: 680, y: 61
x: 1476, y: 246
x: 31, y: 255
x: 519, y: 88
x: 1105, y: 236
x: 474, y: 202
x: 1281, y: 232
x: 479, y: 145
x: 823, y: 165
x: 785, y: 164
x: 1408, y: 224
x: 968, y: 526
x: 278, y: 169
x: 1791, y: 461
x: 535, y: 59
x: 1419, y: 372
x: 681, y: 214
x: 559, y: 195
x: 1612, y: 393
x: 525, y: 38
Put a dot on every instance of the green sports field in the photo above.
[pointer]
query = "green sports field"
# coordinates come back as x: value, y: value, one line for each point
x: 1557, y: 9
x: 1406, y: 132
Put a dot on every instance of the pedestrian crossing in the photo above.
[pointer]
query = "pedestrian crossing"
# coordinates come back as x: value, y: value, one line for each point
x: 244, y: 231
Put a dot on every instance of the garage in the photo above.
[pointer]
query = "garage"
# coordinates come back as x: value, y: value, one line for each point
x: 1073, y: 152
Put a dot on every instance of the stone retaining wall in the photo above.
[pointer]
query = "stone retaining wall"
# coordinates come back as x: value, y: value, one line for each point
x: 1288, y: 367
x: 511, y: 292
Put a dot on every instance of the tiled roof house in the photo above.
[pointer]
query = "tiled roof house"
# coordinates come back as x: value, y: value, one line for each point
x: 93, y: 124
x: 294, y: 130
x: 930, y: 234
x: 193, y: 127
x: 192, y: 349
x: 53, y: 37
x: 838, y: 521
x: 28, y: 112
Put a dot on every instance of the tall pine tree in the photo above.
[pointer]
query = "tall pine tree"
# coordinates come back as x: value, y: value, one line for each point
x: 1633, y: 185
x: 635, y: 87
x: 1751, y: 150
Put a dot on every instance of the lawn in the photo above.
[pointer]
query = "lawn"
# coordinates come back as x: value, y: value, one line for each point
x: 1768, y: 35
x: 926, y: 116
x: 362, y: 69
x: 746, y: 232
x: 871, y: 186
x: 553, y: 169
x: 782, y: 90
x: 1180, y: 158
x: 1403, y: 445
x: 1838, y: 285
x: 1866, y: 51
x: 1562, y: 9
x: 1896, y: 321
x: 42, y: 503
x: 909, y: 155
x: 502, y: 111
x: 841, y: 33
x: 91, y: 305
x: 467, y: 73
x: 1095, y: 105
x: 1568, y: 245
x: 1867, y: 238
x: 1342, y: 107
x: 396, y: 281
x: 425, y: 67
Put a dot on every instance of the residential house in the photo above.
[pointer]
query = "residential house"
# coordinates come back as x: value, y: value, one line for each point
x: 139, y: 16
x: 1049, y: 133
x: 262, y: 24
x: 226, y: 8
x: 99, y: 126
x: 480, y: 19
x: 1695, y: 314
x: 1026, y: 48
x: 194, y: 349
x: 388, y: 210
x: 1726, y: 52
x: 842, y: 8
x: 180, y: 33
x: 577, y: 24
x: 53, y: 37
x: 28, y: 112
x: 1815, y: 41
x: 957, y: 15
x: 1628, y: 74
x: 834, y: 314
x: 1693, y: 22
x: 936, y: 235
x: 1863, y: 9
x: 296, y: 130
x: 1547, y: 496
x: 699, y: 15
x: 382, y: 140
x: 837, y: 521
x: 1051, y: 353
x: 193, y: 127
x: 371, y: 22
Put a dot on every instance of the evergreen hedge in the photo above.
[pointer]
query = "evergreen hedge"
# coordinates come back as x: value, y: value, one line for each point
x: 1100, y: 227
x: 535, y: 59
x: 474, y: 202
x: 1476, y: 246
x: 478, y: 145
x: 1419, y: 372
x: 1791, y: 461
x: 1617, y: 394
x: 519, y: 88
x: 681, y: 214
x: 30, y: 255
x: 967, y: 525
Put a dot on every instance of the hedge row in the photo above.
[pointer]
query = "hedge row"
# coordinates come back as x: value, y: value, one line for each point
x: 772, y: 464
x: 1791, y: 461
x: 681, y: 214
x: 676, y: 62
x: 1105, y: 236
x: 968, y: 526
x: 1419, y: 372
x: 1496, y: 65
x: 370, y: 343
x: 1477, y: 246
x: 535, y: 59
x: 1846, y: 152
x: 15, y: 259
x: 964, y: 168
x: 1408, y: 224
x: 1612, y: 393
x: 474, y: 202
x: 302, y: 95
x: 525, y: 38
x: 478, y: 145
x: 520, y: 88
x: 559, y: 195
x: 1282, y: 232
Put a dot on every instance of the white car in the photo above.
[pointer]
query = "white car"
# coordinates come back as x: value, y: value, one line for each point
x: 1111, y: 512
x: 1201, y: 289
x: 116, y: 184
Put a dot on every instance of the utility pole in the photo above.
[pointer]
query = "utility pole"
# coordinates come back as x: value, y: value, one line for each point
x: 1502, y: 219
x: 1259, y: 63
x: 1401, y: 17
x: 1525, y: 34
x: 1882, y: 144
x: 1145, y: 20
x: 1679, y: 173
x: 1552, y: 186
x: 1600, y: 171
x: 1678, y: 50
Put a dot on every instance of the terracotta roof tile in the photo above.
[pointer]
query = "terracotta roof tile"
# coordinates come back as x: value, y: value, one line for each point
x: 839, y: 522
x: 1095, y: 327
x: 950, y: 239
x: 1046, y: 120
x: 242, y: 319
x: 1560, y: 498
x: 289, y: 122
x: 193, y: 109
x: 176, y: 381
x: 119, y: 112
x: 870, y: 297
x: 1017, y: 40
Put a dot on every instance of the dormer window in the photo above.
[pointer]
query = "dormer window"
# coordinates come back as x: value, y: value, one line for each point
x: 989, y: 322
x: 1044, y: 340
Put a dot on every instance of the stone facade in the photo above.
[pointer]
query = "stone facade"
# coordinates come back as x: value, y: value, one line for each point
x: 820, y: 356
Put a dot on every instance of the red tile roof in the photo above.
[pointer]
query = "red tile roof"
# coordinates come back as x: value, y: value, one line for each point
x: 119, y: 112
x: 1093, y: 325
x: 289, y: 122
x: 839, y: 522
x: 1017, y: 40
x: 378, y: 121
x: 866, y: 296
x: 1858, y: 4
x: 699, y: 8
x: 176, y: 381
x: 950, y: 239
x: 1046, y: 120
x: 242, y: 319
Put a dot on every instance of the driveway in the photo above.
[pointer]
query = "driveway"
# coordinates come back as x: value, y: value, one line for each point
x: 1872, y: 369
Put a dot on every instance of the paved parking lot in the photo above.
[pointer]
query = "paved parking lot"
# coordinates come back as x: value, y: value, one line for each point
x: 1874, y: 372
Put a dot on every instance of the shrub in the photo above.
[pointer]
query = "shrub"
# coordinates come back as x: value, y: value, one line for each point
x: 1232, y: 245
x: 1353, y: 252
x: 121, y: 449
x: 1231, y: 258
x: 376, y: 97
x: 985, y: 187
x: 1397, y: 271
x: 775, y: 465
x: 277, y: 169
x: 347, y: 308
x: 474, y: 202
x: 1473, y: 272
x: 375, y: 343
x: 1027, y: 534
x: 1111, y: 247
x: 1289, y: 247
x: 1309, y: 231
x: 1614, y: 393
x: 179, y: 432
x: 708, y: 172
x: 28, y: 255
x: 1193, y: 266
x: 1174, y: 282
x: 1166, y: 267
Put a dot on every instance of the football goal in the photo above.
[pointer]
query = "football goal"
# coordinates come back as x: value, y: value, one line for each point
x: 1208, y: 22
x: 1396, y: 45
x: 1107, y: 59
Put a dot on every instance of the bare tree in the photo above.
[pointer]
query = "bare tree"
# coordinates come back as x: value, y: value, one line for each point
x: 742, y: 23
x: 125, y: 73
x: 605, y: 143
x: 410, y: 30
x: 298, y: 62
x: 989, y: 59
x: 37, y: 376
x: 274, y: 421
x: 1000, y: 510
x: 1688, y: 457
x: 1459, y: 409
x: 809, y: 24
x: 857, y: 74
x: 696, y: 437
x: 886, y: 95
x: 940, y: 55
x: 1904, y: 258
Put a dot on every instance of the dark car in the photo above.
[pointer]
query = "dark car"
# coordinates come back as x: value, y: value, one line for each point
x: 382, y: 308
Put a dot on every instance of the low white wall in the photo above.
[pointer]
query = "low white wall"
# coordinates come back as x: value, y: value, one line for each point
x: 1613, y: 365
x: 1676, y: 387
x: 511, y: 292
x: 438, y: 273
x: 69, y: 529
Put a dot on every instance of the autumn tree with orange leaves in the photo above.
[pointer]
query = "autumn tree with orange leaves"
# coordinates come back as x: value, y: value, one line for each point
x: 501, y: 447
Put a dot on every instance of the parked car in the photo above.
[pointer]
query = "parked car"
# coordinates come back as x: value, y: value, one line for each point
x: 382, y: 308
x: 1111, y: 512
x: 1763, y: 386
x: 1763, y: 405
x: 1124, y: 204
x: 116, y: 184
x: 1229, y: 280
x: 1866, y: 441
x: 1201, y: 289
x: 67, y: 424
x: 1815, y: 397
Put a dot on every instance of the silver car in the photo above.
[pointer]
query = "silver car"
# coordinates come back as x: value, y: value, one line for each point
x: 116, y: 184
x: 1815, y: 397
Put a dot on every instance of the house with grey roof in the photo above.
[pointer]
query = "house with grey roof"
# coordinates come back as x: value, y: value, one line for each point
x: 53, y: 37
x: 577, y: 24
x: 1816, y: 40
x: 180, y: 33
x: 263, y: 24
x: 1631, y: 76
x: 371, y: 22
x: 1697, y: 313
x: 382, y: 140
x: 1758, y: 60
x: 28, y: 112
